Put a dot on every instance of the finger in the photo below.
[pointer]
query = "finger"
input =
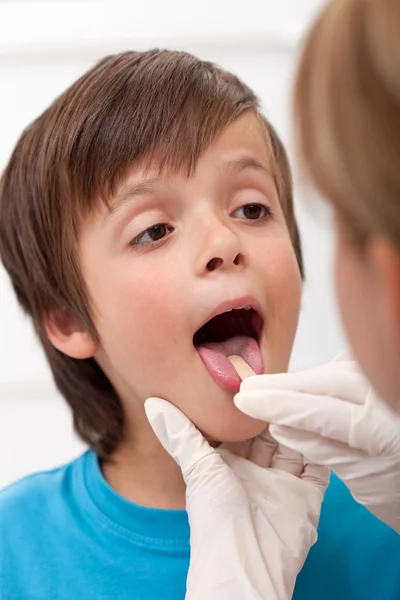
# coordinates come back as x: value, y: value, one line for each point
x: 287, y: 460
x: 263, y: 449
x: 177, y: 434
x: 318, y: 475
x: 319, y: 415
x: 321, y: 451
x: 348, y: 385
x: 241, y: 449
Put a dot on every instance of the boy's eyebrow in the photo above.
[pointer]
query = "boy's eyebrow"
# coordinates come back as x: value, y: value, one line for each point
x: 247, y: 162
x: 130, y: 191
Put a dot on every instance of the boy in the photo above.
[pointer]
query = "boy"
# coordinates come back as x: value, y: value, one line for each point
x: 143, y: 206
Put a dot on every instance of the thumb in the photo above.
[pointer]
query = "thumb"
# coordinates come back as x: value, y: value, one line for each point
x: 177, y: 434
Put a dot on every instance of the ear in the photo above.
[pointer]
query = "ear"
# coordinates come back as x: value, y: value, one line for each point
x: 68, y: 335
x: 385, y: 259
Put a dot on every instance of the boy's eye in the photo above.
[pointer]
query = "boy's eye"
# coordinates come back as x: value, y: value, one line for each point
x: 157, y: 232
x: 254, y: 212
x: 152, y: 234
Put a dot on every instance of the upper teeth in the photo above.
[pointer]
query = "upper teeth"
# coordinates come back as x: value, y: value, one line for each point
x: 246, y: 307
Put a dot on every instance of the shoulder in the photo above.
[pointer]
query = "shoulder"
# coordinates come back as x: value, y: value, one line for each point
x: 36, y: 513
x: 35, y: 499
x: 36, y: 483
x: 31, y: 488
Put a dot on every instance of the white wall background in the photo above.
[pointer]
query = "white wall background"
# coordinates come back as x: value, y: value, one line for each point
x: 45, y: 46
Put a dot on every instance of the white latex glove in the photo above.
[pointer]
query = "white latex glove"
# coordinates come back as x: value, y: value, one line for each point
x: 331, y: 416
x: 251, y: 526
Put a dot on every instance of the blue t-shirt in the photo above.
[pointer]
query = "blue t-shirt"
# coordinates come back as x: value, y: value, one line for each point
x: 66, y: 535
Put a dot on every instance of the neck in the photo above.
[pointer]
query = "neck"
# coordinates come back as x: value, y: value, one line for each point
x: 141, y: 471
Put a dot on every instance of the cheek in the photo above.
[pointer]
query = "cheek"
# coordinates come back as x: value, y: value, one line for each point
x: 283, y: 284
x: 282, y: 289
x: 356, y: 298
x: 138, y: 316
x: 349, y: 288
x: 342, y: 288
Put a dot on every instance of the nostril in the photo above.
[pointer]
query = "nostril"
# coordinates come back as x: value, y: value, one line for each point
x: 214, y: 263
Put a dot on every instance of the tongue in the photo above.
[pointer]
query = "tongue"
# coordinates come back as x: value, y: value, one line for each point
x: 215, y: 357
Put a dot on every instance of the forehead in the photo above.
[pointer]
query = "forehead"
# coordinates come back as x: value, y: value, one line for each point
x: 245, y: 143
x: 248, y: 133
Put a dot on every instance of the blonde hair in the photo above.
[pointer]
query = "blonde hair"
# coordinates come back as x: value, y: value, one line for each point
x: 347, y: 113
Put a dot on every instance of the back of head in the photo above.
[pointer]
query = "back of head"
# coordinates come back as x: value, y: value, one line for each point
x: 347, y: 113
x: 155, y: 107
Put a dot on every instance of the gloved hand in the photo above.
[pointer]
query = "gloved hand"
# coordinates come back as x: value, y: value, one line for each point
x: 251, y: 526
x: 331, y: 415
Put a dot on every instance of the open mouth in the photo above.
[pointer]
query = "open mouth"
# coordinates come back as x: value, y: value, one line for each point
x: 235, y: 322
x: 237, y: 331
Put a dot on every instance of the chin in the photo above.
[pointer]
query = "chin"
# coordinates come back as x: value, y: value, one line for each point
x: 238, y: 429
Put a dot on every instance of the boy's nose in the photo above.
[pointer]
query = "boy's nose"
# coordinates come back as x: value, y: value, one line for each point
x: 220, y: 249
x: 217, y: 262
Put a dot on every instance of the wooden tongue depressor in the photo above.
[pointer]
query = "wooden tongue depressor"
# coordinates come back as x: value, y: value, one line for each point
x: 242, y: 368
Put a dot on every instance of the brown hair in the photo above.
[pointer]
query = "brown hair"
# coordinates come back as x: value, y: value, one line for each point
x: 347, y: 113
x: 155, y: 106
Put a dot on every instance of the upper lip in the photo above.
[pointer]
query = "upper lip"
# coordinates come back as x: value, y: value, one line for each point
x: 236, y: 303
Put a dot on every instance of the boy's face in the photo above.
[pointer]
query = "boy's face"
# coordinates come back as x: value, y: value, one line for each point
x: 173, y: 252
